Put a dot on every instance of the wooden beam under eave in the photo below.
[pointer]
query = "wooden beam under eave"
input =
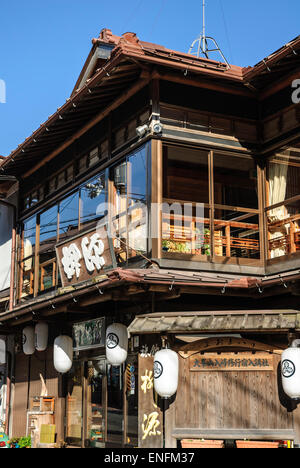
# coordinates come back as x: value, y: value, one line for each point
x: 144, y: 80
x: 202, y: 83
x: 96, y: 299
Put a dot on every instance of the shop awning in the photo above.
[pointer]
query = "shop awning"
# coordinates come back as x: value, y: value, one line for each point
x: 184, y: 322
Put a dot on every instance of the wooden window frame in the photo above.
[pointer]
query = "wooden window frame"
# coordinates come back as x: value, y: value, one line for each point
x: 157, y: 195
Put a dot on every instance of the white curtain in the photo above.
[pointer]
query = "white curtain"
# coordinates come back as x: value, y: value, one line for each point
x: 277, y: 193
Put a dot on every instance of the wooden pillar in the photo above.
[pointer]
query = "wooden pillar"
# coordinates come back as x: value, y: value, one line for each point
x: 156, y: 198
x: 263, y: 229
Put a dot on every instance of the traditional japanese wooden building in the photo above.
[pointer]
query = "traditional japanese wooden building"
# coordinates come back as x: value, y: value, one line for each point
x: 188, y: 170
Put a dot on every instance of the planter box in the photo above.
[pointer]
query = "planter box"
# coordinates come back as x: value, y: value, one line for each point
x: 247, y: 444
x: 198, y: 443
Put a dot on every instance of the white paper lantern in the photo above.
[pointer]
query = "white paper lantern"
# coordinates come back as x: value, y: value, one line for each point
x: 166, y: 371
x: 28, y: 341
x: 63, y: 353
x: 290, y: 371
x: 116, y: 344
x: 41, y: 336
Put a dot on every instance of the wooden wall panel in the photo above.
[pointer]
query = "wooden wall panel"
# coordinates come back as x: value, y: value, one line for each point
x: 20, y: 395
x: 227, y: 400
x: 40, y: 363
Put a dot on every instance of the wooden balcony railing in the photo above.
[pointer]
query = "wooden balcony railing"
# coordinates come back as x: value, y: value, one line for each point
x: 182, y: 234
x: 284, y: 236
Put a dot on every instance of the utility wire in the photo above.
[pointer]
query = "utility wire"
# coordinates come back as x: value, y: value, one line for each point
x: 132, y: 15
x: 155, y: 22
x: 226, y: 32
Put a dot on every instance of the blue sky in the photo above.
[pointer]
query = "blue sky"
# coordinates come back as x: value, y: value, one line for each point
x: 43, y: 45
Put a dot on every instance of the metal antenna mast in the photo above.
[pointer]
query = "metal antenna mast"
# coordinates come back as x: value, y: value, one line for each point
x: 200, y: 45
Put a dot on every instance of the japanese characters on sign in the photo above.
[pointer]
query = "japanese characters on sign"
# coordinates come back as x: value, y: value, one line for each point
x: 231, y: 362
x: 85, y: 256
x: 150, y: 415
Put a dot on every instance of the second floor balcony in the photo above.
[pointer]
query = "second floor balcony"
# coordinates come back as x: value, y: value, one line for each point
x: 176, y: 203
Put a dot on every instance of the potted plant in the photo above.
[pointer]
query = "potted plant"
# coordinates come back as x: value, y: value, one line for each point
x: 14, y: 442
x: 20, y: 442
x: 25, y: 442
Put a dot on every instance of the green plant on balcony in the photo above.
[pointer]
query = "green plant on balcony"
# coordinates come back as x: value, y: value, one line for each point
x: 202, y: 245
x: 176, y: 246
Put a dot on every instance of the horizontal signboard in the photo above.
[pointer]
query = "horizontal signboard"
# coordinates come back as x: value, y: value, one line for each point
x: 230, y: 362
x: 89, y: 335
x: 85, y: 256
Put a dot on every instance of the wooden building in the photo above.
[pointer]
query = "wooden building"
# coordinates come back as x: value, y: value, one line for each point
x: 190, y: 171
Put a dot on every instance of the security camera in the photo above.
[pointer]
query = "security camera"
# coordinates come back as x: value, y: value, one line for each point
x: 157, y: 128
x: 142, y: 130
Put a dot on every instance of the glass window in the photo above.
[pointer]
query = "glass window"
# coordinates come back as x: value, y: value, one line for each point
x: 68, y: 216
x: 235, y: 181
x: 119, y: 215
x: 185, y: 214
x: 27, y: 256
x: 47, y: 255
x: 114, y: 406
x: 130, y: 214
x: 283, y: 215
x: 48, y: 229
x: 96, y: 403
x: 92, y: 201
x: 74, y: 405
x: 236, y: 231
x: 210, y: 218
x: 186, y: 174
x: 137, y: 202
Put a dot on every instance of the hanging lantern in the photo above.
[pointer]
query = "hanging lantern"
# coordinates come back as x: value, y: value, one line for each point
x: 116, y: 344
x: 41, y: 336
x: 166, y: 371
x: 63, y: 353
x: 290, y: 370
x: 28, y: 340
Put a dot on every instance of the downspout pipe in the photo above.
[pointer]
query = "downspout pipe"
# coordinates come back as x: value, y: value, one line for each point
x: 13, y: 252
x: 11, y: 304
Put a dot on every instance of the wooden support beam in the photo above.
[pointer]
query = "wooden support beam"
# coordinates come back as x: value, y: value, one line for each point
x: 145, y: 78
x: 206, y: 84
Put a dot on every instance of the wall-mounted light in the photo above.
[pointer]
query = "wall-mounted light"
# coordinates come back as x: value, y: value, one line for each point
x: 290, y: 370
x: 41, y: 336
x: 142, y: 130
x: 166, y: 370
x: 116, y: 344
x: 28, y: 340
x: 63, y: 354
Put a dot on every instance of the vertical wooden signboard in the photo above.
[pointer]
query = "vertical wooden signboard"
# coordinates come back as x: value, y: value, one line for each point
x: 150, y: 416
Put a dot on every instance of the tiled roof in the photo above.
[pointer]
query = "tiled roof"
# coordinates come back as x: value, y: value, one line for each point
x: 129, y: 57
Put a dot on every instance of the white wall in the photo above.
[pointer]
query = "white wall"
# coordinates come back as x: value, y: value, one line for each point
x: 6, y: 224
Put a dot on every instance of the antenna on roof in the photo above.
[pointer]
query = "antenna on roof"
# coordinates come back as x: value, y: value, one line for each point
x: 201, y: 45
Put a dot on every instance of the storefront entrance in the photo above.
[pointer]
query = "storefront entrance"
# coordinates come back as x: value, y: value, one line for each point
x: 102, y: 404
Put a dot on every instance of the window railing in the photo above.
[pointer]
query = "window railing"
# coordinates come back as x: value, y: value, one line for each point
x: 283, y: 228
x: 190, y: 234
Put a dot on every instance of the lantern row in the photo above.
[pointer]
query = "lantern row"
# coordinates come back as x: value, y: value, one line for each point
x: 166, y: 362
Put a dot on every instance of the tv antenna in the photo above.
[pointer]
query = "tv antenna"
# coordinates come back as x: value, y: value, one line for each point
x: 201, y: 45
